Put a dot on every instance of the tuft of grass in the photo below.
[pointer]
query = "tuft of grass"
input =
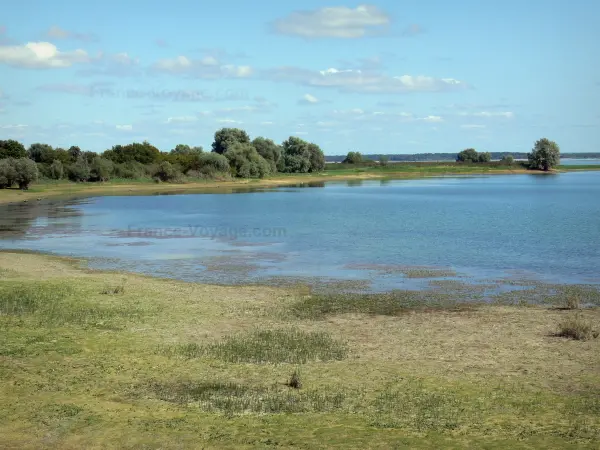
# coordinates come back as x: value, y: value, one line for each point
x: 114, y: 290
x: 576, y: 327
x: 268, y: 346
x: 18, y: 299
x: 294, y: 381
x: 387, y: 304
x: 232, y: 398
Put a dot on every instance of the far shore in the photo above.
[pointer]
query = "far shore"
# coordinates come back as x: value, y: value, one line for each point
x: 67, y: 189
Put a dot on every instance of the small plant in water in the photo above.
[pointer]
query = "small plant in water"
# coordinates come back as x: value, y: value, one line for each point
x: 576, y: 327
x: 294, y: 381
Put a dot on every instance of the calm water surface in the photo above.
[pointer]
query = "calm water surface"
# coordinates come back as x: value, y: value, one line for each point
x: 544, y: 227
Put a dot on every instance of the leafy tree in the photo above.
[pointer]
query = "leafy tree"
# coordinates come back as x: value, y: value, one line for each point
x: 317, y: 158
x: 8, y: 174
x: 484, y: 157
x: 166, y: 172
x: 27, y: 172
x: 183, y: 149
x: 269, y: 150
x: 56, y: 170
x: 144, y: 153
x: 38, y: 152
x: 226, y: 137
x: 353, y: 158
x: 101, y: 169
x: 212, y: 164
x: 296, y: 156
x: 545, y: 155
x: 80, y: 170
x: 507, y: 160
x: 12, y: 149
x: 384, y: 160
x: 74, y: 153
x: 245, y: 162
x: 468, y: 155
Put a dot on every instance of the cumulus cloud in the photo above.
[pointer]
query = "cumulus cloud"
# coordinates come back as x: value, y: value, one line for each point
x: 506, y: 114
x: 334, y: 22
x: 208, y: 67
x: 373, y: 82
x: 40, y: 55
x: 308, y: 99
x: 432, y: 119
x: 56, y: 32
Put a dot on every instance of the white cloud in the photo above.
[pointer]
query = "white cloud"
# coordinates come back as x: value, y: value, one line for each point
x: 229, y: 121
x: 301, y: 133
x: 13, y: 127
x: 333, y: 22
x: 181, y: 119
x: 40, y: 55
x: 124, y: 127
x: 59, y: 33
x: 507, y: 114
x: 472, y: 126
x: 308, y: 99
x: 207, y: 67
x: 354, y: 80
x: 432, y: 119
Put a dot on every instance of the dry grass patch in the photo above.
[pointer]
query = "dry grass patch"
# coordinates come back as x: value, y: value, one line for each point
x: 576, y: 327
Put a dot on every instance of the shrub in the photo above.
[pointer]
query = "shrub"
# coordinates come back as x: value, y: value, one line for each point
x: 507, y: 160
x: 245, y: 162
x: 56, y: 170
x: 576, y: 327
x: 544, y: 156
x: 166, y: 172
x: 573, y: 302
x: 80, y: 171
x: 468, y: 155
x: 101, y: 169
x: 8, y: 174
x: 26, y: 171
x: 294, y: 381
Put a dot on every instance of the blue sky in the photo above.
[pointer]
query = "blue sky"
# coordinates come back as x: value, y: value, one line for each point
x: 382, y: 77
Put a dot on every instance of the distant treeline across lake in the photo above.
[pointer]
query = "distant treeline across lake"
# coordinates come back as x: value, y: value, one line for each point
x: 452, y: 156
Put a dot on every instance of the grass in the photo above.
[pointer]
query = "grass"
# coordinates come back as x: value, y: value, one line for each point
x: 268, y: 346
x: 576, y: 327
x: 375, y: 371
x: 395, y: 303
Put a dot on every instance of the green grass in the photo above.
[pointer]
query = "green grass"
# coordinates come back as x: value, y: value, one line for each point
x: 268, y: 346
x: 395, y: 303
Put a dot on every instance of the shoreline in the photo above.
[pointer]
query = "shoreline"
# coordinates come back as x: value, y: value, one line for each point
x: 74, y: 190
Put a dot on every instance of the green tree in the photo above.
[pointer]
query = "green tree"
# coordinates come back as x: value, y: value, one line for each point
x: 101, y: 169
x: 384, y: 160
x: 296, y: 156
x: 144, y: 153
x: 74, y: 153
x: 269, y: 150
x: 39, y: 151
x: 226, y: 137
x: 212, y: 164
x: 166, y: 172
x: 484, y: 157
x: 27, y: 172
x: 183, y: 149
x: 57, y: 170
x: 317, y: 158
x: 12, y: 149
x: 468, y: 155
x: 80, y: 170
x: 545, y: 155
x: 507, y: 160
x: 353, y: 158
x: 8, y: 174
x: 245, y: 162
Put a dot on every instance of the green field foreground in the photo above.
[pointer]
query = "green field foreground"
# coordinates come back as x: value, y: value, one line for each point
x: 102, y: 360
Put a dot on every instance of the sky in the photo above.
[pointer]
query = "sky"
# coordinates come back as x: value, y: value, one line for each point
x: 411, y: 76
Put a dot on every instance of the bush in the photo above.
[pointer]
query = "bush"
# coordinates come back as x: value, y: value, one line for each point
x: 56, y: 170
x: 8, y: 174
x: 80, y: 171
x: 484, y: 157
x: 507, y: 160
x: 576, y: 327
x: 468, y: 155
x: 101, y: 169
x: 353, y: 158
x: 245, y: 162
x: 26, y: 171
x: 166, y: 172
x: 384, y: 160
x: 294, y: 381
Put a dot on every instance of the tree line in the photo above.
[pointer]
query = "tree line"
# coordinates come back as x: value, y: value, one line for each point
x: 233, y: 154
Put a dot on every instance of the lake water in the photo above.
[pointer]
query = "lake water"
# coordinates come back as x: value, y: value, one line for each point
x: 385, y: 234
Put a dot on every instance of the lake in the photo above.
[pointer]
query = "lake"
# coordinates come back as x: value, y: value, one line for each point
x: 376, y: 235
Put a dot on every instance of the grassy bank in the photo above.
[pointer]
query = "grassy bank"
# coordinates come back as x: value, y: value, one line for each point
x: 98, y: 360
x: 47, y: 189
